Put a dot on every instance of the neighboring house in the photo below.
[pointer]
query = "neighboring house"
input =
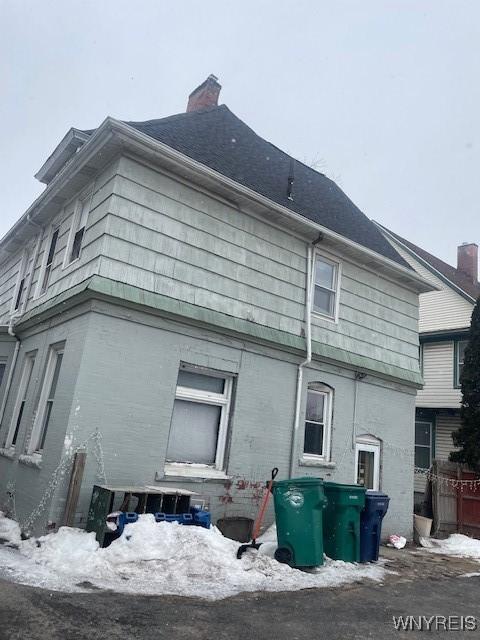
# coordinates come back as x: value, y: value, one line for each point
x: 445, y: 316
x: 204, y: 307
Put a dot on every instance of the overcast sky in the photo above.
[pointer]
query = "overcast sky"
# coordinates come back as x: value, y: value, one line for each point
x: 383, y: 96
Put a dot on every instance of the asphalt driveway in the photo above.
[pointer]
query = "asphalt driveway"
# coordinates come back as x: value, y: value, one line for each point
x: 421, y: 587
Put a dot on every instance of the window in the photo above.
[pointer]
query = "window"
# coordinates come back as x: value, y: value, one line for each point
x: 318, y: 421
x: 200, y: 418
x: 367, y: 462
x: 19, y: 407
x: 460, y: 346
x: 423, y: 444
x: 3, y: 366
x: 77, y: 231
x: 45, y: 404
x: 20, y: 286
x: 47, y: 267
x: 325, y: 293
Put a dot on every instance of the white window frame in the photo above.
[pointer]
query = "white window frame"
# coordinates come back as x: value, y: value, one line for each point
x: 336, y: 290
x: 22, y: 275
x: 38, y: 292
x: 327, y: 393
x: 36, y: 433
x: 424, y: 446
x: 84, y: 198
x: 22, y: 392
x: 222, y: 400
x: 371, y: 445
x: 457, y: 363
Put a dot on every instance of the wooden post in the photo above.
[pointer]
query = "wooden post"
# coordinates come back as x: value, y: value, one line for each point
x: 73, y: 494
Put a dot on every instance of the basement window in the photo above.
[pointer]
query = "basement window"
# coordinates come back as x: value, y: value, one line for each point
x: 198, y: 429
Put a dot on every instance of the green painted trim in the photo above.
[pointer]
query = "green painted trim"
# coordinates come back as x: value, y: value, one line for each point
x: 449, y: 336
x: 216, y: 320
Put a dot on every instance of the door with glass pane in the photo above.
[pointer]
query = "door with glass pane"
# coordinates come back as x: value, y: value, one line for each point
x: 367, y: 465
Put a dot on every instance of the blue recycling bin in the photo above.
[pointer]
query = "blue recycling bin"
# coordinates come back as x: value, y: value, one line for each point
x: 376, y: 506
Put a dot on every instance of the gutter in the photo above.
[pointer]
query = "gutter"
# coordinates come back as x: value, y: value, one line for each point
x: 308, y: 359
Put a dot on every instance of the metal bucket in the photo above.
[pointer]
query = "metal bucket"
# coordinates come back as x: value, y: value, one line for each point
x: 236, y: 528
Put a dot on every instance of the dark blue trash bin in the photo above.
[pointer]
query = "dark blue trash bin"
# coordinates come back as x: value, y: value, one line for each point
x: 376, y: 506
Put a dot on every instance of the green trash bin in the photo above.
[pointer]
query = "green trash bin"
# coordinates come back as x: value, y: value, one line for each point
x: 341, y: 521
x: 299, y: 504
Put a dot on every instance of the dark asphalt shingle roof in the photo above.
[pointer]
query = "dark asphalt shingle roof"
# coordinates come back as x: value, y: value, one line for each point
x: 451, y: 273
x: 218, y: 139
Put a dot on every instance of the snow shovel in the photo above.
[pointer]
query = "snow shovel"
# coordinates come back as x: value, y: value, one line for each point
x: 258, y: 523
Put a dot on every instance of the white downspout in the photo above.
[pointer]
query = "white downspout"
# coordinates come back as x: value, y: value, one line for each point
x: 14, y: 317
x: 308, y: 359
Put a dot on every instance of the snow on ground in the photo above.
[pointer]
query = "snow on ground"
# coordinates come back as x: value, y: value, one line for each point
x: 165, y: 558
x: 455, y: 545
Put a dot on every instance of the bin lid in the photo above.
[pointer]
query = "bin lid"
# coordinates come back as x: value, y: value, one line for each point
x: 374, y: 495
x: 303, y: 482
x: 347, y: 488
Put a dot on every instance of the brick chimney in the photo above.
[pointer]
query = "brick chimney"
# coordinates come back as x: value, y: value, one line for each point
x: 467, y: 260
x: 205, y: 95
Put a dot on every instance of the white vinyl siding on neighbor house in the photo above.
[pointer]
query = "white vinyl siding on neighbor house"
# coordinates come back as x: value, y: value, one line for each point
x: 445, y: 426
x: 438, y: 376
x: 439, y: 310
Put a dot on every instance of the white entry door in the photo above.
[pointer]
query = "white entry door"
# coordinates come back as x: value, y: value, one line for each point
x: 367, y: 463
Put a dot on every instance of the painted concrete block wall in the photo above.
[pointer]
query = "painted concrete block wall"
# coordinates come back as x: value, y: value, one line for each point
x: 31, y: 481
x: 126, y: 388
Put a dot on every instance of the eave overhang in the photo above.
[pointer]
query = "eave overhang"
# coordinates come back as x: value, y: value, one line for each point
x: 114, y: 137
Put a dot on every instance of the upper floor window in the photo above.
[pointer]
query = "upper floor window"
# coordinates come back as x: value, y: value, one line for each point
x: 77, y: 231
x: 199, y: 423
x: 325, y: 293
x: 46, y: 269
x: 45, y: 403
x: 318, y: 420
x: 460, y: 346
x: 20, y: 285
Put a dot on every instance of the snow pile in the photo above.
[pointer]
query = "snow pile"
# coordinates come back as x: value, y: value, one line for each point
x: 455, y: 545
x: 166, y: 558
x: 9, y: 531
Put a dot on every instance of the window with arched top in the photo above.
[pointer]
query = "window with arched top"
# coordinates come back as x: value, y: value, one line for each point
x: 318, y: 421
